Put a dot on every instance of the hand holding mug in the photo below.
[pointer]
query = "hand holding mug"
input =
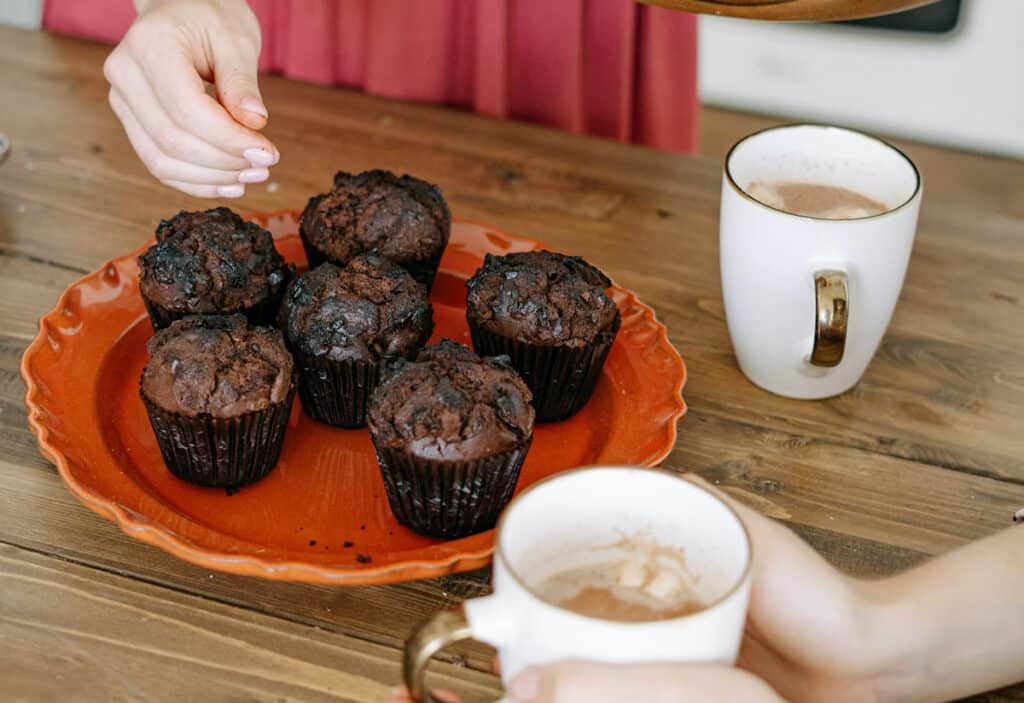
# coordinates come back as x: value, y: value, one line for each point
x: 804, y: 638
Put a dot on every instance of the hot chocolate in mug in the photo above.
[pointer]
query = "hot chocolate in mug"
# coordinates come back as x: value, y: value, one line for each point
x: 808, y: 298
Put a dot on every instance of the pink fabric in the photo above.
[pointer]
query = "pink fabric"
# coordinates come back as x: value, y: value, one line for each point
x: 606, y: 67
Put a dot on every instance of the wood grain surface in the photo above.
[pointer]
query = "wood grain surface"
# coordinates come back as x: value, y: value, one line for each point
x: 924, y: 455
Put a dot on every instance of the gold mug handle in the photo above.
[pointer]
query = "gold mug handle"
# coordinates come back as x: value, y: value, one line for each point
x: 429, y: 638
x: 831, y: 315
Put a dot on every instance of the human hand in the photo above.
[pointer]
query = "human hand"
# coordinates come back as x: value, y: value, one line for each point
x: 808, y: 638
x: 573, y: 681
x: 812, y: 634
x: 206, y: 146
x: 593, y: 682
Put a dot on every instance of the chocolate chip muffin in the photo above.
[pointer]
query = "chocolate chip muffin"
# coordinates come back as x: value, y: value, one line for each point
x: 451, y: 431
x: 212, y: 263
x: 342, y: 323
x: 552, y: 316
x: 218, y: 392
x: 404, y: 218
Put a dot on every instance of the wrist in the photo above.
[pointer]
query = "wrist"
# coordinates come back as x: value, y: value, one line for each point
x: 896, y: 641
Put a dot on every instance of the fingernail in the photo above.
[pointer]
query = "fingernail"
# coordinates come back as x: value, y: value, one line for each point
x: 525, y: 686
x: 254, y: 105
x: 231, y: 191
x: 253, y: 175
x: 260, y: 157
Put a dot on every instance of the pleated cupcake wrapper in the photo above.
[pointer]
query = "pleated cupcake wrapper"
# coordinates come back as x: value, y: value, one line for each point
x: 335, y: 392
x: 422, y: 271
x: 221, y: 452
x: 425, y: 271
x: 314, y: 257
x: 561, y: 379
x: 449, y: 499
x: 263, y: 313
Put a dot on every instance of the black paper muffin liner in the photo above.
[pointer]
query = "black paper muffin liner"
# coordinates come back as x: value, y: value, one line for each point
x: 561, y: 379
x: 425, y: 271
x: 221, y: 452
x: 449, y: 499
x: 263, y: 314
x: 335, y: 392
x: 422, y: 271
x: 314, y: 257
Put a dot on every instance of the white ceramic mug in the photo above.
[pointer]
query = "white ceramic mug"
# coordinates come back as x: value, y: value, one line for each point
x: 807, y: 300
x: 581, y: 517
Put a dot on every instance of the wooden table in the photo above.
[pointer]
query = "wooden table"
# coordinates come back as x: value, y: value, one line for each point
x: 924, y: 455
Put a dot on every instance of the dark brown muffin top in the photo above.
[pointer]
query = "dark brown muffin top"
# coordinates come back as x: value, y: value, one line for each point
x: 451, y: 404
x: 370, y: 310
x: 217, y: 365
x: 542, y: 298
x: 211, y: 262
x: 404, y: 218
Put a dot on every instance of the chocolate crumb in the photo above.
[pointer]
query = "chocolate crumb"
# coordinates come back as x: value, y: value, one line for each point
x: 348, y: 544
x: 362, y: 527
x: 312, y: 543
x: 364, y: 558
x: 231, y: 490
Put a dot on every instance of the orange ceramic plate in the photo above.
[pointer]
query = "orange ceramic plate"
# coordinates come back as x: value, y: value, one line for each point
x: 321, y: 515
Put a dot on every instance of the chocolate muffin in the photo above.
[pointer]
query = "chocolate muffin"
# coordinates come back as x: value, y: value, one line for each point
x: 218, y: 392
x: 212, y: 263
x: 404, y: 218
x: 551, y: 315
x: 451, y: 431
x: 342, y: 323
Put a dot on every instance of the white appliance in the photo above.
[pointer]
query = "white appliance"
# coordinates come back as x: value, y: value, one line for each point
x: 22, y: 13
x: 963, y: 87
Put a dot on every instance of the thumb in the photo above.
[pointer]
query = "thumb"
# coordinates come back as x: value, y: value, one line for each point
x: 571, y: 681
x: 235, y: 76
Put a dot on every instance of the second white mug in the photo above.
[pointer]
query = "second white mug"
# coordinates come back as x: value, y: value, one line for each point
x: 807, y: 300
x: 580, y: 518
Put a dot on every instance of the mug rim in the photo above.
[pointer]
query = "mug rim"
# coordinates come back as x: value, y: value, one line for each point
x: 918, y: 181
x: 738, y: 584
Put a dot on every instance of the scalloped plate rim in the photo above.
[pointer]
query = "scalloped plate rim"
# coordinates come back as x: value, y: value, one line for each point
x: 155, y: 534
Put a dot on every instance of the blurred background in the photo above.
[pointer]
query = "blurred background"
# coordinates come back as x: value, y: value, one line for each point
x: 948, y: 73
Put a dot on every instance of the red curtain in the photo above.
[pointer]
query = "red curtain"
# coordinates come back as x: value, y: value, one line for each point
x: 606, y: 67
